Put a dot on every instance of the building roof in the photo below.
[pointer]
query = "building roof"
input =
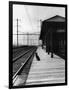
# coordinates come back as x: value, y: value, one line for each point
x: 56, y: 18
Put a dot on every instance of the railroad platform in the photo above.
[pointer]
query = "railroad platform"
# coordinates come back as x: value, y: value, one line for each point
x: 46, y: 71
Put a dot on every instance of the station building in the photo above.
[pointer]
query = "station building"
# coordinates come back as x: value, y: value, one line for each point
x: 53, y: 35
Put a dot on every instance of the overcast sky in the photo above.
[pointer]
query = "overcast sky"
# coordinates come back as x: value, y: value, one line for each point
x: 29, y: 16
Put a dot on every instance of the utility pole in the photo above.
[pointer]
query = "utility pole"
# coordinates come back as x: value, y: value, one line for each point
x: 17, y: 29
x: 27, y: 38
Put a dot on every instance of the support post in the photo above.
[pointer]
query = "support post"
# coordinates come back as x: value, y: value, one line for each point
x: 51, y: 45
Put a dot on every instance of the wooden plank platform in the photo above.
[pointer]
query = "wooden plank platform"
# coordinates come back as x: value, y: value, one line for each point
x: 46, y: 71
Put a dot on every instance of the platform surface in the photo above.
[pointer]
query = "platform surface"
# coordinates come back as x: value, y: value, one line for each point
x: 46, y: 71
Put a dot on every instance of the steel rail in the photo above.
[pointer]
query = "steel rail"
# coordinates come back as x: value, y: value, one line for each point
x: 23, y: 64
x: 14, y: 59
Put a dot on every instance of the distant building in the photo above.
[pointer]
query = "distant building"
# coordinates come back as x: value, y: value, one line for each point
x: 53, y: 35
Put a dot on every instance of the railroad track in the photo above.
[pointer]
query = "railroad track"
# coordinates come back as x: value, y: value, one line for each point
x: 20, y: 59
x: 18, y: 51
x: 22, y: 53
x: 22, y: 64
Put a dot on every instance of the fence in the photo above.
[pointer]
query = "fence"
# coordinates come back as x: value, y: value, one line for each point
x: 26, y: 39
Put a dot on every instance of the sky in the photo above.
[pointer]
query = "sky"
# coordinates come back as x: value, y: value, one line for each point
x: 29, y: 17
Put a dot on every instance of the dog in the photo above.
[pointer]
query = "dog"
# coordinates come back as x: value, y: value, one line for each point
x: 38, y: 58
